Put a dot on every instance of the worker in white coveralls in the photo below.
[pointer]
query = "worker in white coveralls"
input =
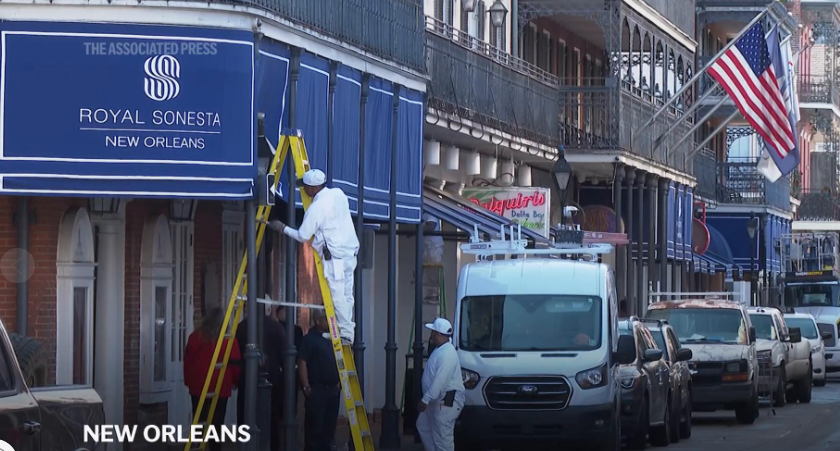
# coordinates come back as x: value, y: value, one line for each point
x: 328, y: 220
x: 443, y: 391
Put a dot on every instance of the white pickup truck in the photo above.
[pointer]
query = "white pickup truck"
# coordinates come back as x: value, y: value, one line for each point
x: 782, y: 349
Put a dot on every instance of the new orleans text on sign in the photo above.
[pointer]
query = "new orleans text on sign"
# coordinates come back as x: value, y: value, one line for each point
x: 528, y: 207
x: 133, y: 110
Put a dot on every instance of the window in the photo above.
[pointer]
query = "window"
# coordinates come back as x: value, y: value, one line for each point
x: 444, y: 11
x: 80, y: 327
x: 562, y: 57
x: 530, y: 322
x: 697, y: 325
x: 156, y: 279
x: 764, y: 327
x: 75, y: 268
x: 806, y: 326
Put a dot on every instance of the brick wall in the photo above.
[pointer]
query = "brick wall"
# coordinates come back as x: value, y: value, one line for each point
x: 207, y: 249
x: 43, y: 245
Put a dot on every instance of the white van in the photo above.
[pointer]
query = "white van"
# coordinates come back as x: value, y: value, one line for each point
x: 537, y: 339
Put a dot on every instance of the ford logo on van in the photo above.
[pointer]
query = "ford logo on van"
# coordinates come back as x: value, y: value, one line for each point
x: 527, y: 390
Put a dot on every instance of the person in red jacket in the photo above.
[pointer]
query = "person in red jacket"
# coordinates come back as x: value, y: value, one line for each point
x: 197, y: 357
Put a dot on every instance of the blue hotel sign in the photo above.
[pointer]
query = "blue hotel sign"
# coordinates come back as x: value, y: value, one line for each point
x: 126, y: 110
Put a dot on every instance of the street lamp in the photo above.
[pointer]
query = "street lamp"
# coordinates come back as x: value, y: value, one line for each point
x: 562, y: 174
x: 182, y: 209
x: 752, y: 227
x: 497, y: 13
x: 468, y: 5
x: 105, y: 205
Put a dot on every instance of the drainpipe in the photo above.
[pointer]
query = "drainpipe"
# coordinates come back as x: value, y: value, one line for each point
x: 359, y: 342
x: 252, y: 353
x: 630, y: 277
x: 640, y: 251
x: 290, y: 425
x: 22, y: 265
x: 390, y: 438
x: 652, y: 269
x: 418, y: 315
x: 331, y: 122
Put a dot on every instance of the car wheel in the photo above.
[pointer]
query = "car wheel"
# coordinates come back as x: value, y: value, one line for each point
x: 804, y: 388
x: 676, y: 420
x: 819, y: 382
x: 661, y: 435
x: 685, y: 426
x: 779, y: 393
x: 638, y: 441
x: 748, y: 412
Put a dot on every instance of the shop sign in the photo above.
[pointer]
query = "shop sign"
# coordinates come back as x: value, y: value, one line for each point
x: 599, y: 218
x: 528, y: 207
x: 132, y: 110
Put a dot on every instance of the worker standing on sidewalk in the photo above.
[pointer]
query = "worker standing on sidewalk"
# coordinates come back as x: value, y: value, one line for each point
x: 328, y: 220
x: 443, y: 391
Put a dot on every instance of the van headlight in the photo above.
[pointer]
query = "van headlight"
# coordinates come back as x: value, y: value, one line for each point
x: 630, y: 382
x: 470, y: 379
x: 594, y: 378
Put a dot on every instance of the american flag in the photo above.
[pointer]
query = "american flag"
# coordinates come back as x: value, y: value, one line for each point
x: 746, y: 73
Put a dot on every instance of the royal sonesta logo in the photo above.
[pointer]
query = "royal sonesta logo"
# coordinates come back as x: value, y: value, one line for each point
x: 501, y: 206
x: 162, y: 74
x: 172, y: 129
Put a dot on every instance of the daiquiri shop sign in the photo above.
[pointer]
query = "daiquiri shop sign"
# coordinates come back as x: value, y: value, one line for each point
x: 93, y: 109
x: 528, y: 207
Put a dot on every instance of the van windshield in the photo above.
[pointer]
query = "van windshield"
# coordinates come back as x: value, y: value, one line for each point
x: 530, y: 323
x: 805, y: 325
x: 822, y: 294
x: 702, y: 325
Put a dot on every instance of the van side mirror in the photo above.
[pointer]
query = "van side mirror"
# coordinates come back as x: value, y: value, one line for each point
x: 652, y: 355
x: 826, y: 336
x: 752, y: 335
x: 795, y: 334
x: 684, y: 355
x: 626, y: 353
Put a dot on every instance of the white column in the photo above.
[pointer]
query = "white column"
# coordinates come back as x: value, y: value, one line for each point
x: 110, y: 319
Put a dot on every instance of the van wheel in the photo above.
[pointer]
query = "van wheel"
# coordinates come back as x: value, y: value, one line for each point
x: 32, y: 359
x: 779, y: 394
x: 748, y: 412
x: 804, y: 388
x: 661, y: 435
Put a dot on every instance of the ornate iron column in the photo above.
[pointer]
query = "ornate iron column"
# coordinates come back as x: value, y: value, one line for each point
x: 358, y: 307
x: 620, y: 251
x: 640, y: 240
x: 631, y: 286
x: 652, y: 223
x: 662, y: 216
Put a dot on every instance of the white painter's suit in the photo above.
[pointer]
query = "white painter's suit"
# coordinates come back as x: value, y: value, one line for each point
x: 328, y: 220
x: 436, y: 425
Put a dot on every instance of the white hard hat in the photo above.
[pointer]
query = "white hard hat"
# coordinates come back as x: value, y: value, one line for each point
x: 441, y: 326
x: 314, y: 177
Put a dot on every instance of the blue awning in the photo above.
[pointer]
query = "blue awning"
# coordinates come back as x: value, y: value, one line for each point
x: 466, y: 215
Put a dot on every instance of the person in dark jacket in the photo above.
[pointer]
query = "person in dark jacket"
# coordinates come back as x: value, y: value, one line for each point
x: 281, y: 316
x: 197, y: 359
x: 274, y: 341
x: 320, y: 383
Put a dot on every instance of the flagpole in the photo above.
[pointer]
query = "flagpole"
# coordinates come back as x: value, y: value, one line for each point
x: 731, y: 117
x: 689, y: 84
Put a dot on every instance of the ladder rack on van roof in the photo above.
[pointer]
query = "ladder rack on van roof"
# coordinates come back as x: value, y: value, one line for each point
x: 654, y: 297
x: 519, y: 246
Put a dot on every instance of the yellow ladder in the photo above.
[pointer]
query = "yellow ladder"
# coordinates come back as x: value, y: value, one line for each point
x: 353, y: 403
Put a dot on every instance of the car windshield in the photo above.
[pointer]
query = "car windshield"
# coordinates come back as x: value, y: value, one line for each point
x: 530, y: 323
x: 818, y: 294
x: 704, y: 325
x: 805, y: 325
x: 764, y: 328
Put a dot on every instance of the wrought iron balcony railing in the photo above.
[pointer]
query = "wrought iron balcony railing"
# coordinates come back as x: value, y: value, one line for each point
x: 819, y: 206
x: 739, y: 182
x: 818, y: 89
x: 478, y: 82
x: 390, y: 29
x: 705, y: 171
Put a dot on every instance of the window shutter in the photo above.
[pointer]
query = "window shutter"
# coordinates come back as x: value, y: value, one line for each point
x: 465, y: 23
x: 482, y: 20
x: 439, y: 10
x: 450, y: 12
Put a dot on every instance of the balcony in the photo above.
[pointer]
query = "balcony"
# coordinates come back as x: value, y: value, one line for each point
x: 739, y: 182
x: 390, y: 29
x: 818, y: 89
x: 705, y: 171
x: 481, y: 83
x: 818, y: 206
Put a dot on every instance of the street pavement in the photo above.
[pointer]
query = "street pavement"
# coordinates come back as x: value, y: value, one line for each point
x: 795, y: 427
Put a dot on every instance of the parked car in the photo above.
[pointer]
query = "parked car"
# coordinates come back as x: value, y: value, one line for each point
x: 537, y: 340
x: 810, y: 331
x: 784, y: 359
x: 677, y: 359
x: 645, y: 387
x: 35, y: 419
x: 724, y: 364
